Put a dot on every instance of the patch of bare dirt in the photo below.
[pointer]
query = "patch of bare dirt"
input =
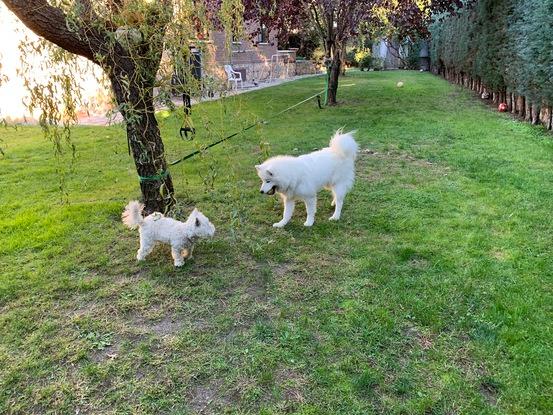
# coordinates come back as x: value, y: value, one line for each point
x: 207, y: 398
x: 168, y: 325
x: 292, y: 384
x: 489, y: 391
x: 280, y: 270
x: 377, y: 166
x: 109, y: 353
x: 500, y: 255
x: 418, y: 263
x: 424, y: 340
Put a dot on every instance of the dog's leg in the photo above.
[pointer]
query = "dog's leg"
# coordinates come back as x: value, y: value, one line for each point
x: 177, y: 257
x: 339, y: 195
x: 146, y: 246
x: 287, y: 214
x: 311, y: 208
x: 187, y: 252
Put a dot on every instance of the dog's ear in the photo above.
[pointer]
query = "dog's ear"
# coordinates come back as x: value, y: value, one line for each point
x: 197, y: 222
x: 258, y: 167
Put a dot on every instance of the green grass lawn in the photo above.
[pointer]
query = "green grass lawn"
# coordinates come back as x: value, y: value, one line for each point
x: 432, y: 295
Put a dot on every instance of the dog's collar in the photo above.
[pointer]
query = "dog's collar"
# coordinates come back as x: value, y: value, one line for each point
x: 192, y: 239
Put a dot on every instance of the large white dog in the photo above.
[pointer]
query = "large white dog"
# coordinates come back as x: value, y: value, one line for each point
x: 301, y: 178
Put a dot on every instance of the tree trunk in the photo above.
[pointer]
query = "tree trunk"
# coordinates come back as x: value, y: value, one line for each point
x: 333, y: 80
x: 545, y: 116
x: 144, y: 138
x: 535, y: 114
x: 527, y: 110
x: 343, y: 58
x: 521, y: 106
x: 132, y: 80
x: 507, y: 100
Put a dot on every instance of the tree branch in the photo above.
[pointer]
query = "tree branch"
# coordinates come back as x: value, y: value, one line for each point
x: 316, y: 20
x: 51, y: 23
x: 86, y: 9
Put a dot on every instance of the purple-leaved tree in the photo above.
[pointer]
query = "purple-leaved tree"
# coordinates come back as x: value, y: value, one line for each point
x: 337, y: 21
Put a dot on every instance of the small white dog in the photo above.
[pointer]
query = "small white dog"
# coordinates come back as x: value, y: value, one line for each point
x: 301, y: 178
x: 157, y: 228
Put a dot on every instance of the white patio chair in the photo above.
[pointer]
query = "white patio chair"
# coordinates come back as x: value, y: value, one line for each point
x: 233, y: 76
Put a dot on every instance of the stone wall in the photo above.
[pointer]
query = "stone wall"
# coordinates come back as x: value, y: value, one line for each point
x: 242, y: 51
x: 266, y: 71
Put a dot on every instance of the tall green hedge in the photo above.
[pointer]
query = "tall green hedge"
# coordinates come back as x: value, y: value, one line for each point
x: 507, y: 45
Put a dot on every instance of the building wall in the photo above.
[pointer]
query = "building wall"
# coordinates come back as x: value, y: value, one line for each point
x: 391, y: 53
x: 242, y: 51
x: 257, y: 61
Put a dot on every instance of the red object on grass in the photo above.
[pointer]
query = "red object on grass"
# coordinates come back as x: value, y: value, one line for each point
x: 502, y: 107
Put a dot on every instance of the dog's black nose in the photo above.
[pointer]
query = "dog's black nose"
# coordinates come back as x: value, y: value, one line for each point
x: 261, y: 191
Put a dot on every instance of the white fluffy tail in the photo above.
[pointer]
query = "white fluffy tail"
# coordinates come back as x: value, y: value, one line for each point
x: 344, y: 145
x: 132, y: 216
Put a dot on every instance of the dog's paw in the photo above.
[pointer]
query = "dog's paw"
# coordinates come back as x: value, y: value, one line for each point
x: 333, y: 217
x: 179, y: 264
x: 279, y: 225
x: 308, y: 223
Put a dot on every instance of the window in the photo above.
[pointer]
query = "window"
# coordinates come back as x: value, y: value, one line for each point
x: 263, y: 36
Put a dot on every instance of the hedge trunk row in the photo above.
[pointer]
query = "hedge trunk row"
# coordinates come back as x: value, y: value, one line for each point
x: 534, y: 112
x: 503, y: 48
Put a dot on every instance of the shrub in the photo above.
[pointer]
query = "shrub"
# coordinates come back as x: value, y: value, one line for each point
x: 318, y: 55
x: 363, y: 59
x: 377, y: 64
x: 413, y: 60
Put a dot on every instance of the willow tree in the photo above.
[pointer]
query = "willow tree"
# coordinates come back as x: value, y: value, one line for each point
x: 127, y: 39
